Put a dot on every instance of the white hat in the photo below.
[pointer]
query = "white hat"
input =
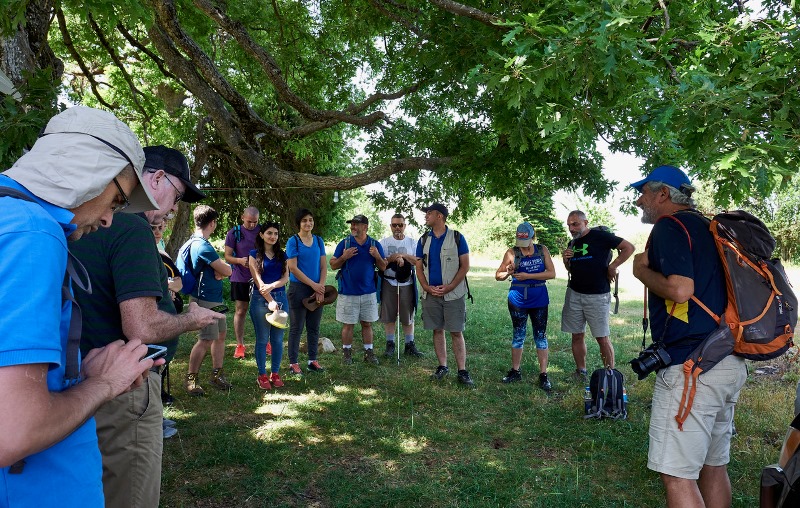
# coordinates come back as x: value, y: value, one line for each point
x: 80, y: 151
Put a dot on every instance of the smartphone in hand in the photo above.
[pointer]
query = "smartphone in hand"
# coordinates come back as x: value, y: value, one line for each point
x: 155, y: 352
x: 222, y: 309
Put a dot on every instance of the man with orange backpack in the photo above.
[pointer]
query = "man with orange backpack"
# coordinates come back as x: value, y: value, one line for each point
x: 680, y: 262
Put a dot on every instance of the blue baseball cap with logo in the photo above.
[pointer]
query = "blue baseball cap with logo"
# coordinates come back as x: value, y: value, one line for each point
x: 525, y: 234
x: 669, y: 175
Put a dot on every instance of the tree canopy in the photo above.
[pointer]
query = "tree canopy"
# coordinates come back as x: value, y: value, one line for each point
x: 283, y: 102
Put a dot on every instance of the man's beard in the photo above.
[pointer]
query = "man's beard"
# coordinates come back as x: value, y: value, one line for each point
x: 649, y: 215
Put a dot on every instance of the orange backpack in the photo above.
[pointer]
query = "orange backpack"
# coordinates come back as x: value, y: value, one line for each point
x: 761, y: 313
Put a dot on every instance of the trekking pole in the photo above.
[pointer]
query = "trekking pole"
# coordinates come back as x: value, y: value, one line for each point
x: 397, y: 331
x: 645, y: 321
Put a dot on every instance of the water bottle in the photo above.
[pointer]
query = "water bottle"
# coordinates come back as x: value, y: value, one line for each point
x: 624, y: 398
x: 587, y: 400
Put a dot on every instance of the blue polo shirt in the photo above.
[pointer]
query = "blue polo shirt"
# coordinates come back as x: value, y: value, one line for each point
x: 34, y: 328
x: 434, y: 255
x: 308, y: 260
x: 208, y: 288
x: 358, y: 272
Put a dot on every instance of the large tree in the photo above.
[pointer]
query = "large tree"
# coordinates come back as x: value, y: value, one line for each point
x: 289, y: 100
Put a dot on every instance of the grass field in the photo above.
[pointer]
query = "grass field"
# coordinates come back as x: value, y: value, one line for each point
x: 365, y: 436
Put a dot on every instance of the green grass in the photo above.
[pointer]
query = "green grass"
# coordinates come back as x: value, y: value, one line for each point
x: 365, y: 436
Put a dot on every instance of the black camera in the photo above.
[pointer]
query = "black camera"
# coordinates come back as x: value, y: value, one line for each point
x: 651, y: 359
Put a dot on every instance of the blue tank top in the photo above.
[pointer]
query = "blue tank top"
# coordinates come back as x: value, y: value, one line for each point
x: 529, y: 294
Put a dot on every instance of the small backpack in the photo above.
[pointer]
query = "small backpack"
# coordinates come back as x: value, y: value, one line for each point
x: 609, y: 397
x: 184, y: 264
x: 340, y: 271
x: 760, y: 316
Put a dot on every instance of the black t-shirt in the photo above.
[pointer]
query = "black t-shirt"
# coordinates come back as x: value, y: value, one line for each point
x: 589, y: 265
x: 670, y: 254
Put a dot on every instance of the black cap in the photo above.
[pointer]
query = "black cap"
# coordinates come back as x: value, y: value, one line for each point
x: 173, y: 162
x: 358, y: 219
x: 438, y: 207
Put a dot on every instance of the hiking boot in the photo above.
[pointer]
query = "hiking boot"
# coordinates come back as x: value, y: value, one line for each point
x: 191, y: 384
x: 390, y: 348
x: 269, y: 349
x: 218, y: 380
x: 239, y: 353
x: 545, y: 383
x: 294, y: 369
x: 369, y: 356
x: 314, y: 366
x: 411, y: 350
x: 347, y: 356
x: 580, y: 375
x: 441, y: 372
x: 276, y: 380
x: 513, y: 376
x: 263, y: 382
x: 465, y: 379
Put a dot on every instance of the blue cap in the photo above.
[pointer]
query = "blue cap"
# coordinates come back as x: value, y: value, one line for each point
x: 525, y: 234
x: 670, y: 175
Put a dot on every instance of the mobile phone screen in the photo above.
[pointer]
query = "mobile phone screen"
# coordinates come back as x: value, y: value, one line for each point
x: 154, y: 352
x: 222, y: 309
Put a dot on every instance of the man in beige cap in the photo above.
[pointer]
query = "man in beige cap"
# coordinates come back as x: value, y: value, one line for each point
x: 131, y: 300
x: 85, y: 166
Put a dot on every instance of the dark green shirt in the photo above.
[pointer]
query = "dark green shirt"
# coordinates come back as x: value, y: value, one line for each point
x: 123, y: 263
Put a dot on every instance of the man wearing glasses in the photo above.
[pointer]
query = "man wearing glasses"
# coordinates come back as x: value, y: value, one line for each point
x: 130, y: 300
x: 85, y: 166
x: 399, y: 282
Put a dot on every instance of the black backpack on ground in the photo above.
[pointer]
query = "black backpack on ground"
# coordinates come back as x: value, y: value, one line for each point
x: 609, y: 398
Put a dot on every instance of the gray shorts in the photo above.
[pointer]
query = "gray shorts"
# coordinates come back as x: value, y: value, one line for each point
x: 212, y: 331
x: 580, y: 309
x: 389, y: 304
x: 438, y: 314
x: 351, y: 309
x: 706, y: 435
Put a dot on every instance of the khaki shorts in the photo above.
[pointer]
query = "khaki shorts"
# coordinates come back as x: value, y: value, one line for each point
x: 212, y: 331
x: 706, y: 435
x: 351, y: 309
x: 438, y: 314
x: 389, y: 304
x: 580, y: 309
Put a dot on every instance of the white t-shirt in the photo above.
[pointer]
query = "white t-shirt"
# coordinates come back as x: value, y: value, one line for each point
x: 405, y: 246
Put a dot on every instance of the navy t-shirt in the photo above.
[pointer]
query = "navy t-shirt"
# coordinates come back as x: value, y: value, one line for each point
x: 589, y: 265
x: 669, y: 254
x: 358, y: 272
x: 271, y: 269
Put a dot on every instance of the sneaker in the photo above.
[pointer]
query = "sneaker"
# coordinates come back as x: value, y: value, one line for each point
x: 167, y: 399
x: 166, y: 422
x: 513, y: 376
x: 294, y: 369
x: 218, y: 380
x: 581, y: 375
x: 169, y: 432
x: 239, y: 353
x: 411, y: 350
x: 464, y: 379
x: 314, y: 366
x: 441, y: 372
x: 390, y: 348
x: 191, y: 384
x: 545, y: 383
x: 369, y: 356
x: 347, y: 356
x: 263, y: 382
x: 269, y: 349
x: 276, y: 381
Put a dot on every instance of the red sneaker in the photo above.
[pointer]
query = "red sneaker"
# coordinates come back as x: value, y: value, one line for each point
x: 263, y: 382
x: 239, y: 353
x: 276, y: 380
x: 269, y: 349
x: 295, y: 369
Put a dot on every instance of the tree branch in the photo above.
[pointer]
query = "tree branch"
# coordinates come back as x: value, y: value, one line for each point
x: 468, y: 12
x: 135, y: 92
x: 155, y: 58
x: 666, y: 16
x: 394, y: 17
x: 70, y: 45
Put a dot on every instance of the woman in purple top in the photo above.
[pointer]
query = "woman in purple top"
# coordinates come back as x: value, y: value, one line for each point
x: 270, y: 273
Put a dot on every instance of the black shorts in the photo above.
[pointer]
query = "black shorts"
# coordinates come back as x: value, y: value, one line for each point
x: 240, y: 291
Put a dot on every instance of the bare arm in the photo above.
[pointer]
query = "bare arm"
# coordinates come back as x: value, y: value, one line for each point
x: 624, y: 250
x: 675, y: 287
x: 506, y: 268
x: 231, y: 258
x: 423, y: 281
x: 221, y: 268
x: 141, y: 319
x: 41, y: 418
